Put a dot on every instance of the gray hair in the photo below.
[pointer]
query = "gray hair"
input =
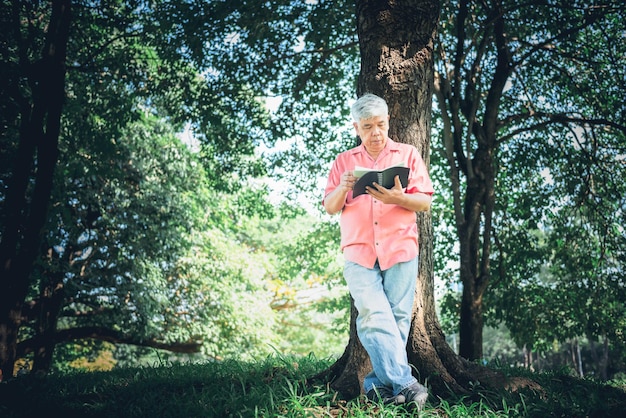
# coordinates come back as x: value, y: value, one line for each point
x: 368, y: 106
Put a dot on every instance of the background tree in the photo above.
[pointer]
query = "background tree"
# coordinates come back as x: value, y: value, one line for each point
x: 34, y: 96
x: 123, y: 61
x: 101, y: 243
x: 514, y: 80
x: 119, y: 230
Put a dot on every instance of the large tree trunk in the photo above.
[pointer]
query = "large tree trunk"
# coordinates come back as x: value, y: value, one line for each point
x: 26, y: 211
x: 396, y: 43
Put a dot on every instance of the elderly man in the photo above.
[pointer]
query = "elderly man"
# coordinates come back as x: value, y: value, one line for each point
x: 379, y: 240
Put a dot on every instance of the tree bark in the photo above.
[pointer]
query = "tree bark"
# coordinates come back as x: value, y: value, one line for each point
x: 40, y: 120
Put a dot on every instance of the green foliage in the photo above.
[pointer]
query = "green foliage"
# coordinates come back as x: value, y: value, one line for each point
x: 144, y: 238
x: 87, y: 355
x: 314, y: 253
x: 158, y: 255
x: 131, y: 57
x: 309, y: 278
x: 119, y: 221
x: 449, y: 305
x: 560, y: 243
x: 155, y: 253
x: 214, y: 289
x: 303, y: 53
x: 303, y: 281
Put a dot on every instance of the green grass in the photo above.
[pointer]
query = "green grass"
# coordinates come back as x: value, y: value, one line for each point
x: 279, y: 387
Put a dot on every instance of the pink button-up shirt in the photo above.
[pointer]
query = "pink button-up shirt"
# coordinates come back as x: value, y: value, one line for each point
x: 370, y: 229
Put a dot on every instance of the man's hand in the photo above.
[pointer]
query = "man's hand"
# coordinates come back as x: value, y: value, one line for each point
x: 334, y: 202
x: 416, y: 201
x: 347, y: 181
x: 395, y: 195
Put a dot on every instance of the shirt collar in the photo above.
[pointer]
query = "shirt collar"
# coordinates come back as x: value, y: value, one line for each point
x: 390, y: 146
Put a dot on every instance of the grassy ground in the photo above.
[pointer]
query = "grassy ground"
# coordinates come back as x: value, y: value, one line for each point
x: 277, y: 387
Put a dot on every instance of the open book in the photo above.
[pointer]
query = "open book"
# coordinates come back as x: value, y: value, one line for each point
x: 367, y: 176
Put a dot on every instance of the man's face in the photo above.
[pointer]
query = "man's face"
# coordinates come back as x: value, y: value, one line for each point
x: 373, y: 133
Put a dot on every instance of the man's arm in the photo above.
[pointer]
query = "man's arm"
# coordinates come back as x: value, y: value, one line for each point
x: 335, y: 200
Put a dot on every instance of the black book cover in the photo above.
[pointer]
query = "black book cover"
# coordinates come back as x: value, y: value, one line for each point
x: 385, y: 178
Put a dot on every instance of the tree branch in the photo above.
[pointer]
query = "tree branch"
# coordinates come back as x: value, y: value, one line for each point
x: 105, y: 334
x: 555, y: 118
x: 548, y: 44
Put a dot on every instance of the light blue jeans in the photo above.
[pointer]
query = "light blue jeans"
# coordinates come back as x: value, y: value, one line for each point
x: 384, y: 300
